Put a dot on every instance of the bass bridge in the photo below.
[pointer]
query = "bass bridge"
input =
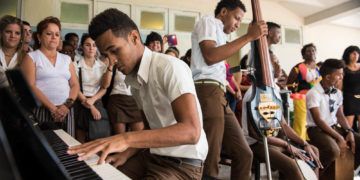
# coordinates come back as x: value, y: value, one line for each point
x: 268, y: 110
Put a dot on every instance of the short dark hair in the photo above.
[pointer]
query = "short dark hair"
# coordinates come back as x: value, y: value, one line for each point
x: 187, y: 57
x: 69, y: 35
x: 229, y: 5
x: 153, y: 36
x: 25, y: 23
x: 348, y: 51
x: 330, y: 66
x: 303, y: 49
x: 271, y: 25
x: 67, y: 43
x: 174, y: 50
x: 84, y: 37
x: 42, y: 25
x: 119, y: 23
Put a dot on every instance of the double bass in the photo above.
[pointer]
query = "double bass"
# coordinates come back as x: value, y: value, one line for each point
x: 264, y: 108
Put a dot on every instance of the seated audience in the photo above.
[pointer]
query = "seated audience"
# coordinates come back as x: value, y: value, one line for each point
x: 27, y: 36
x: 11, y: 53
x: 172, y: 51
x: 92, y: 120
x: 10, y: 45
x: 73, y: 39
x: 327, y: 126
x: 154, y: 42
x: 69, y: 50
x: 187, y: 57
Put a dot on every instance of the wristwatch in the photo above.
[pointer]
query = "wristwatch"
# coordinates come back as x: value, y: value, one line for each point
x: 69, y: 103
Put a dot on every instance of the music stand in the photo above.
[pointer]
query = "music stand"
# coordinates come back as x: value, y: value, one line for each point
x: 33, y: 154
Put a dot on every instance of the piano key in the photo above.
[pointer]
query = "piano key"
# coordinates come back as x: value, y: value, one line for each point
x: 76, y: 169
x: 105, y: 171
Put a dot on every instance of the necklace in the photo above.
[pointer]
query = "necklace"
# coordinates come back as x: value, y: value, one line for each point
x: 9, y: 54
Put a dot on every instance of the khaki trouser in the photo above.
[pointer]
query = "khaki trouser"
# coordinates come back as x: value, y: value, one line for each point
x: 144, y: 165
x: 279, y: 161
x: 328, y: 148
x: 223, y: 131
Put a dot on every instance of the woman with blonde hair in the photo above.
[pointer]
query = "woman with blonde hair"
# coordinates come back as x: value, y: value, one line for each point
x: 11, y: 35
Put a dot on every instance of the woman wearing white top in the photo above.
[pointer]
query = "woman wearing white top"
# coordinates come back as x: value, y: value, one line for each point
x: 91, y: 110
x: 122, y: 109
x: 11, y: 53
x: 52, y: 78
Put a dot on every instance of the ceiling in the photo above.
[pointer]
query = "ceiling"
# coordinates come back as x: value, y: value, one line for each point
x: 339, y: 12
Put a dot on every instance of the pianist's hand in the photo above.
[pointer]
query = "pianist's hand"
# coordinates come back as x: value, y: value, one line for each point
x: 117, y: 159
x: 116, y: 143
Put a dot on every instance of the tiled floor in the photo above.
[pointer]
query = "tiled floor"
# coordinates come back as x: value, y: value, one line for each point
x: 225, y: 173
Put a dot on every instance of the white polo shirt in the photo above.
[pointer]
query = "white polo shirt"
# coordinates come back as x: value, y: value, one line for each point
x: 316, y: 97
x: 91, y: 76
x: 207, y: 28
x: 120, y: 87
x: 159, y: 81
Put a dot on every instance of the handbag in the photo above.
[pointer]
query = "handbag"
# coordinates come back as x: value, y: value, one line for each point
x: 97, y: 128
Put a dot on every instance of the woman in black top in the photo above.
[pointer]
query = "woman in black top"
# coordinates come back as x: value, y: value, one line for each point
x: 351, y: 84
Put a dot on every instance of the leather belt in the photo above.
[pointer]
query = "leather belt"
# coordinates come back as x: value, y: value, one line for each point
x: 210, y: 81
x: 179, y: 161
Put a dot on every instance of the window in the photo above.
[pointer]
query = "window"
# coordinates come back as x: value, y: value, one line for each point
x: 75, y: 14
x: 292, y: 36
x: 8, y: 7
x: 184, y: 23
x: 152, y: 20
x: 103, y: 5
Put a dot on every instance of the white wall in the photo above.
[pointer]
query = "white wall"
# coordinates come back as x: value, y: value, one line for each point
x: 288, y: 54
x: 331, y: 40
x: 35, y: 11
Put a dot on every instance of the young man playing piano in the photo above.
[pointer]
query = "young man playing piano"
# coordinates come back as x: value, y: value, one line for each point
x: 164, y: 89
x: 327, y: 126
